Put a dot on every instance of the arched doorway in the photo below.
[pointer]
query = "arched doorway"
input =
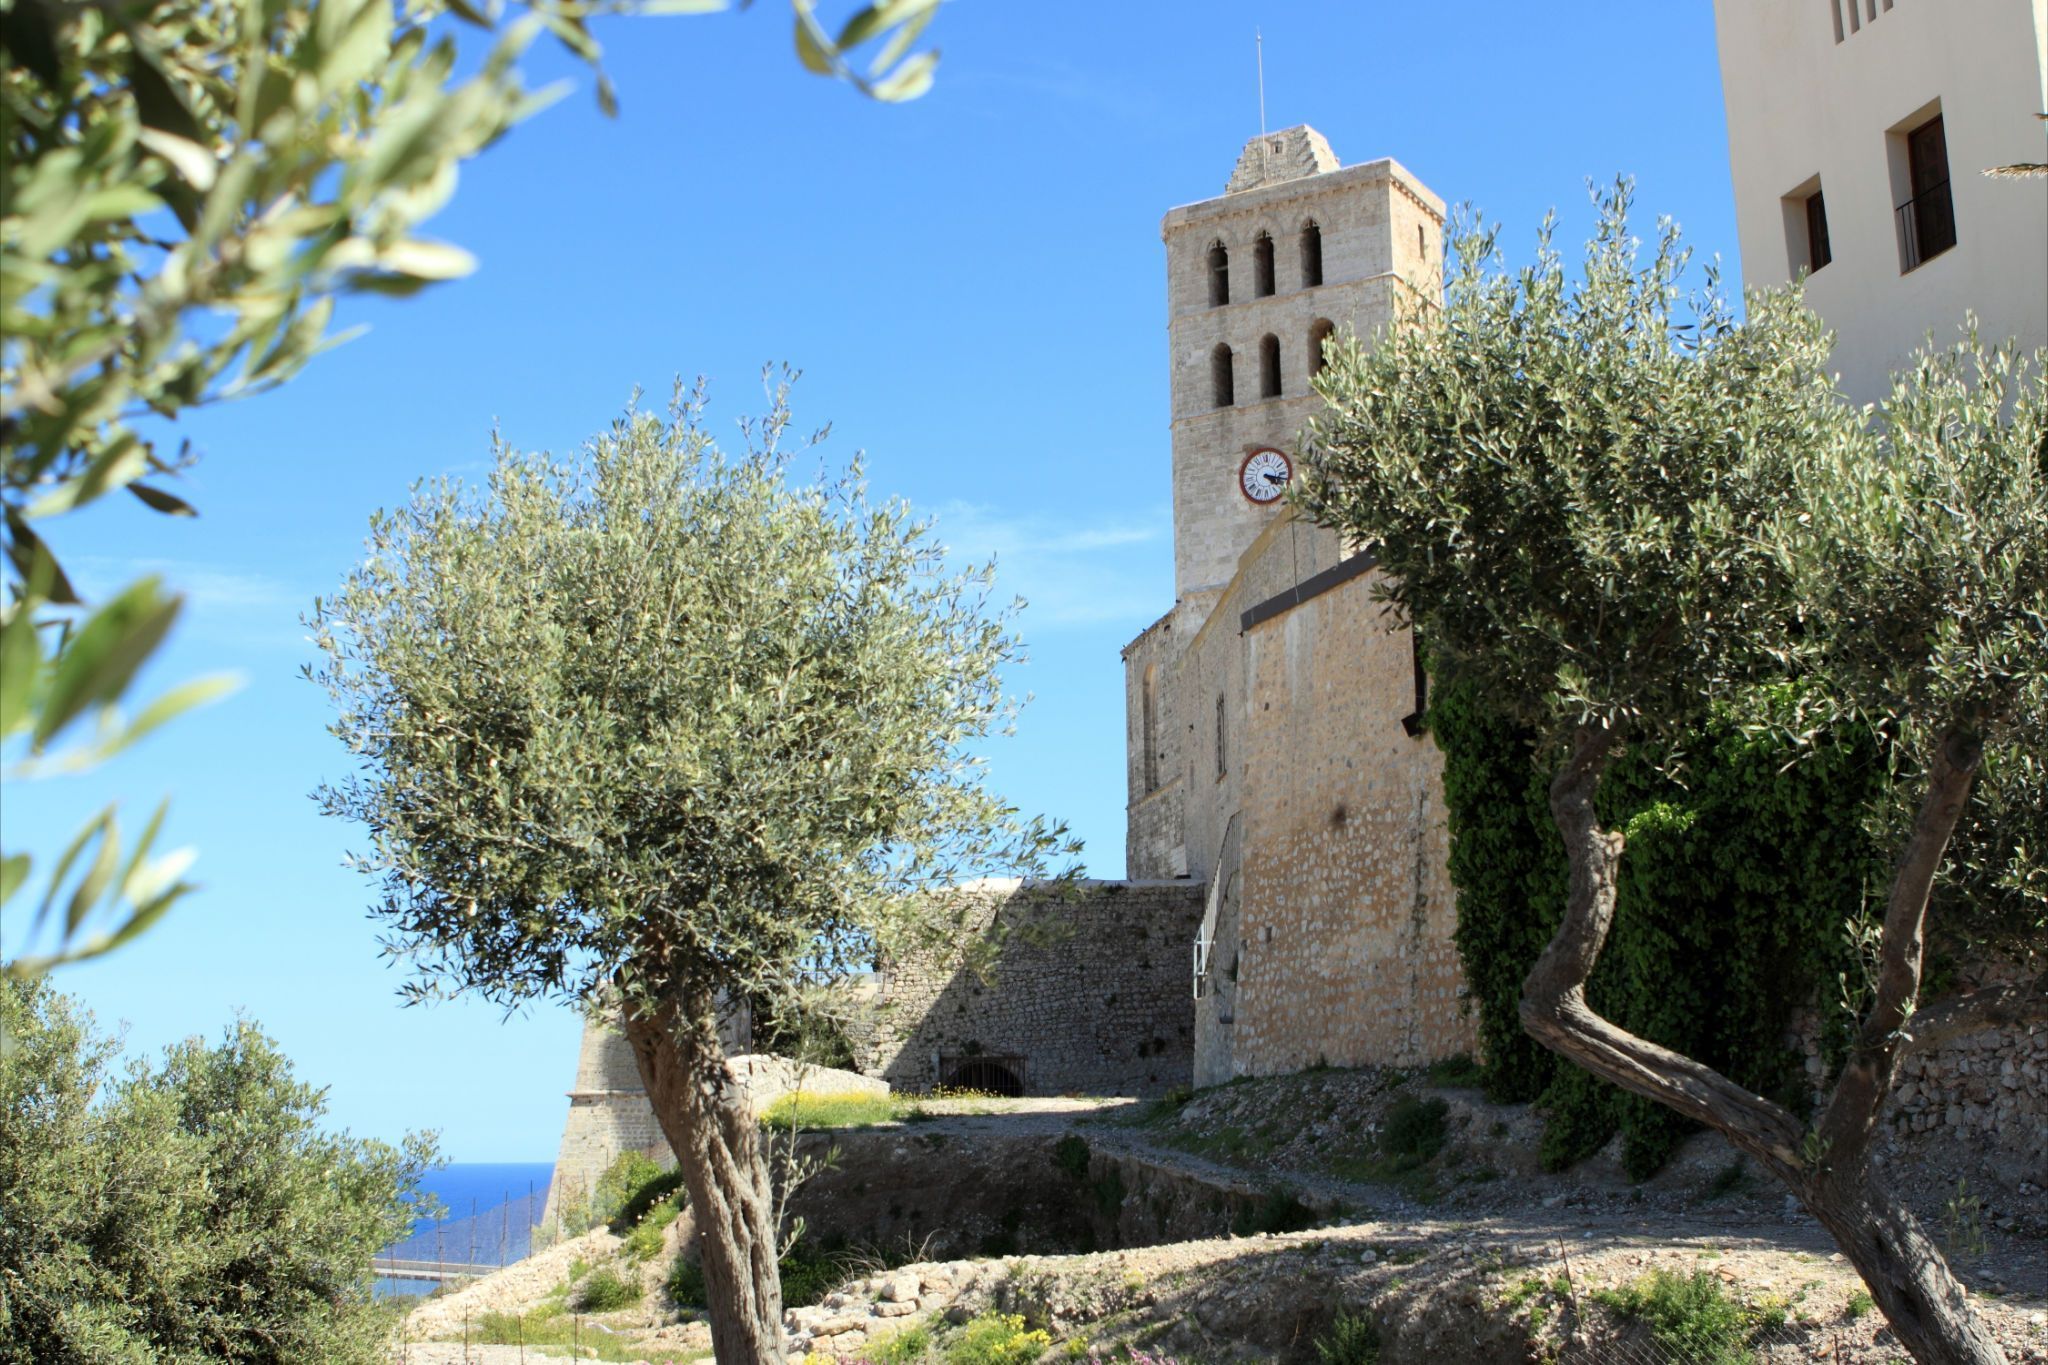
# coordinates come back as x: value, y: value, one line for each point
x: 991, y: 1075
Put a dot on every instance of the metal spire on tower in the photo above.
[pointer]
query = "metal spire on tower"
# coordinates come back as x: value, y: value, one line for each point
x: 1259, y: 42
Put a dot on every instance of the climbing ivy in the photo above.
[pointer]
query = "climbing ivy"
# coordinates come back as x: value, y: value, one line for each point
x: 1745, y: 860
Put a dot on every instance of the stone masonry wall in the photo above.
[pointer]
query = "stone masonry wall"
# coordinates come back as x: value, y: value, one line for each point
x: 1986, y: 1092
x: 1347, y: 906
x: 1154, y: 749
x: 609, y: 1115
x: 1381, y: 235
x: 1075, y: 989
x: 1974, y: 1109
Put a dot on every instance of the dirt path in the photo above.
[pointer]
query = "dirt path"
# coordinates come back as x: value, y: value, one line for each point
x: 1592, y: 1206
x: 1487, y: 1260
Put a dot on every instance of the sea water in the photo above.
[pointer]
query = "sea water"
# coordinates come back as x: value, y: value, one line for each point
x: 488, y: 1209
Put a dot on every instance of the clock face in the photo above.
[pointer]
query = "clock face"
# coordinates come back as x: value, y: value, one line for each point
x: 1264, y: 475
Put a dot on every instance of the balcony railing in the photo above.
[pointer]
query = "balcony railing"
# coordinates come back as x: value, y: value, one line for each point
x: 1927, y: 225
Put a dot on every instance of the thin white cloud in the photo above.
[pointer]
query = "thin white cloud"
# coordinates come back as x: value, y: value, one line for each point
x: 222, y: 604
x: 1068, y: 574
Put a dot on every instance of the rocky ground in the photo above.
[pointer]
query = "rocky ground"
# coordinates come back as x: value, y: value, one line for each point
x: 1321, y: 1131
x: 1472, y: 1254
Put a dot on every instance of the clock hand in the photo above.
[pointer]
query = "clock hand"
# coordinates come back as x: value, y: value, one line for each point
x: 1271, y: 477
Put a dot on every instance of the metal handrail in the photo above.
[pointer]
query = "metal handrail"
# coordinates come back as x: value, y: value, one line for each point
x: 1926, y: 234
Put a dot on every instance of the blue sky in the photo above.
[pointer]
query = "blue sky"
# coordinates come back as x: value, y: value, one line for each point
x: 973, y: 287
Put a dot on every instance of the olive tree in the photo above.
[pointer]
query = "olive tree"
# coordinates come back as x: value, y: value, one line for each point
x: 188, y: 187
x: 662, y: 723
x: 191, y: 1208
x: 1610, y: 503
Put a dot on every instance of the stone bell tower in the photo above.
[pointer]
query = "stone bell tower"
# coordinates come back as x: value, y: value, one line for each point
x: 1297, y: 247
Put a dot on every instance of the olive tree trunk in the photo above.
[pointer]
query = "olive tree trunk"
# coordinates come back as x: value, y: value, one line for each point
x: 1829, y: 1169
x: 706, y: 1117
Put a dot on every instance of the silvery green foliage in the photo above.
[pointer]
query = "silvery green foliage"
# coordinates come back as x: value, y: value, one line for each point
x: 1563, y: 477
x: 192, y: 1208
x: 189, y: 186
x: 1918, y: 553
x: 186, y: 190
x: 660, y: 714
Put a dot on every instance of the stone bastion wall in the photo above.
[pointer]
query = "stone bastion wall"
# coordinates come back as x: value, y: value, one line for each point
x: 1976, y: 1102
x: 1043, y: 989
x: 1026, y: 988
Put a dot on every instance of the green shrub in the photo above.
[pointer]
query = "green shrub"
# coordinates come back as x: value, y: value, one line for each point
x: 1730, y: 1179
x: 604, y: 1290
x: 811, y: 1270
x: 1108, y: 1189
x: 685, y: 1285
x: 1415, y: 1129
x: 643, y: 1243
x: 166, y: 1210
x: 1279, y: 1211
x: 662, y: 1188
x: 1167, y: 1107
x: 1689, y: 1315
x: 1070, y: 1156
x: 1732, y: 895
x: 625, y: 1177
x: 910, y: 1346
x: 1459, y: 1070
x: 1351, y: 1340
x: 557, y: 1327
x: 996, y: 1339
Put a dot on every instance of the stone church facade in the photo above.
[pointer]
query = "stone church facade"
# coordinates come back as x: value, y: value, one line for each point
x: 1274, y: 749
x: 1288, y: 902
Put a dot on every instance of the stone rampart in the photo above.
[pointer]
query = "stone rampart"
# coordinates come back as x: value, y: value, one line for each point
x: 1052, y: 988
x: 608, y: 1116
x: 1985, y: 1091
x: 1044, y: 989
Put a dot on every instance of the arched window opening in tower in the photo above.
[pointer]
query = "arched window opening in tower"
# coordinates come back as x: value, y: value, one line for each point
x: 1311, y: 255
x: 1269, y: 366
x: 1221, y: 378
x: 1319, y: 332
x: 1219, y: 275
x: 985, y: 1075
x: 1262, y: 266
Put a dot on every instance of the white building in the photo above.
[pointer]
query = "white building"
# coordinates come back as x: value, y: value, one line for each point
x: 1858, y: 134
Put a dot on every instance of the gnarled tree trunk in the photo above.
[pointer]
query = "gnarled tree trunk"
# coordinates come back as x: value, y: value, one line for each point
x: 1830, y: 1170
x: 705, y: 1114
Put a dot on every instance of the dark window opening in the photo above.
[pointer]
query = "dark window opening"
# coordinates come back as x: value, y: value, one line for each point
x: 1222, y: 757
x: 1311, y: 255
x: 1927, y: 220
x: 1219, y: 275
x: 986, y: 1075
x: 1221, y: 377
x: 1269, y: 366
x: 1262, y: 266
x: 1149, y: 707
x: 1319, y: 332
x: 1818, y: 252
x: 1417, y: 721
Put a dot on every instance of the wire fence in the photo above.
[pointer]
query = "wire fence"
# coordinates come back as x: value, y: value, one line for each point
x: 491, y: 1338
x: 1642, y: 1344
x: 463, y: 1244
